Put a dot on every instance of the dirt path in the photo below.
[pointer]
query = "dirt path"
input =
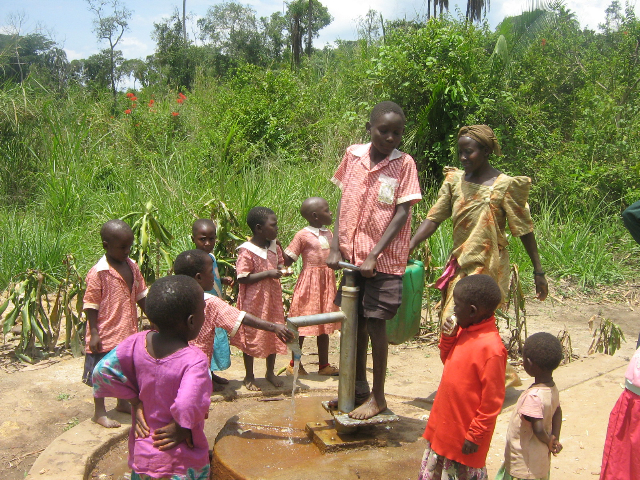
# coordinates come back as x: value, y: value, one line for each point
x: 39, y: 402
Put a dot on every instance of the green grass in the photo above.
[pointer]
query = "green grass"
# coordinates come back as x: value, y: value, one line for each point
x: 85, y: 167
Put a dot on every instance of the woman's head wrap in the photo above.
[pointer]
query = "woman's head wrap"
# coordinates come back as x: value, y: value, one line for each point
x: 483, y: 135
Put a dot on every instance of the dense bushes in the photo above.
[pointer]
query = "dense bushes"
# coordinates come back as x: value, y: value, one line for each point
x: 564, y: 103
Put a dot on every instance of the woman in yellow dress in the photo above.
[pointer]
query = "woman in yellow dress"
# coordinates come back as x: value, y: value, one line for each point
x: 480, y: 201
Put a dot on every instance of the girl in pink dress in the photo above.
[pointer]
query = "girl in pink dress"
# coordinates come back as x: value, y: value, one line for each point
x: 259, y: 268
x: 168, y: 383
x: 316, y: 287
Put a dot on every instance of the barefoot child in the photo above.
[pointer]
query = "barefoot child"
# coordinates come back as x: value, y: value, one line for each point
x: 379, y: 185
x: 168, y: 382
x: 471, y: 391
x: 259, y: 268
x: 217, y: 313
x: 114, y: 286
x: 203, y: 235
x: 534, y: 429
x: 620, y: 459
x: 315, y: 289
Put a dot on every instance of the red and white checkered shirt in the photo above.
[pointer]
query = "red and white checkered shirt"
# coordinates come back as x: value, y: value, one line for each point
x: 217, y: 313
x: 368, y: 204
x: 109, y: 294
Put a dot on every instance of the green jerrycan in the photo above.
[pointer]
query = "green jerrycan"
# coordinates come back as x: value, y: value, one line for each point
x: 406, y: 324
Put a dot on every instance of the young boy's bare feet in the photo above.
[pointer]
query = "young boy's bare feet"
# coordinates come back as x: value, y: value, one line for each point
x: 100, y: 413
x: 249, y: 384
x: 359, y: 400
x: 275, y: 381
x: 105, y: 421
x: 369, y: 409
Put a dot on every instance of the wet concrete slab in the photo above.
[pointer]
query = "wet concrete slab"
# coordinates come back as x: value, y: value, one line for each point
x: 271, y: 443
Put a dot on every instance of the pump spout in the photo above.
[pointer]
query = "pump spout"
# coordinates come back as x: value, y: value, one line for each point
x: 294, y: 345
x: 294, y: 323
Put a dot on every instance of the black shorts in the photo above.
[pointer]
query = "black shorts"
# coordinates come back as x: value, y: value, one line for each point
x: 90, y: 362
x: 380, y: 296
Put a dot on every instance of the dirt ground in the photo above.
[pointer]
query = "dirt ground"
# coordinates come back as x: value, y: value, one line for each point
x: 38, y: 402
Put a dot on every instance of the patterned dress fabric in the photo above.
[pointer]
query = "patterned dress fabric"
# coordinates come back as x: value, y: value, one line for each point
x: 480, y: 214
x: 368, y: 204
x: 262, y: 299
x: 315, y: 289
x: 109, y: 294
x: 437, y: 467
x: 176, y: 387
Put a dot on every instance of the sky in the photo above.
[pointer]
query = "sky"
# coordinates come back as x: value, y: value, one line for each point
x: 70, y: 22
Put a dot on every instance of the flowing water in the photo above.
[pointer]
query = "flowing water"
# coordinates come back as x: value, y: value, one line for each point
x: 296, y: 368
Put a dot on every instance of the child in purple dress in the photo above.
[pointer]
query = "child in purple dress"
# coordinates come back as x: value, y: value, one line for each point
x: 168, y: 383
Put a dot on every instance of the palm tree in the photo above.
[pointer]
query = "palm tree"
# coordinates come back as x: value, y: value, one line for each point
x: 475, y: 9
x: 444, y: 5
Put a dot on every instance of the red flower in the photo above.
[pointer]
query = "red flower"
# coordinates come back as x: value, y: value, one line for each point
x: 625, y: 32
x: 127, y: 111
x: 133, y: 98
x: 151, y: 102
x: 182, y: 96
x: 544, y: 42
x: 175, y: 114
x: 180, y: 100
x: 129, y: 95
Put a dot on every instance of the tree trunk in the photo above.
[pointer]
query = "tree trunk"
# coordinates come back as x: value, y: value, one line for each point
x: 113, y: 77
x: 296, y: 40
x: 309, y: 23
x: 184, y: 22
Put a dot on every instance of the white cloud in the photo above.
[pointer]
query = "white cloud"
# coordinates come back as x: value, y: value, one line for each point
x: 133, y: 47
x: 76, y: 55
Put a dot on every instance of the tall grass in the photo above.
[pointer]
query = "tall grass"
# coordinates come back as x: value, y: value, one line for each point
x: 85, y: 167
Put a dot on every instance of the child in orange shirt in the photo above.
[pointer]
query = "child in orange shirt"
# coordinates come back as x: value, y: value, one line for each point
x: 114, y: 286
x: 315, y: 289
x: 471, y: 391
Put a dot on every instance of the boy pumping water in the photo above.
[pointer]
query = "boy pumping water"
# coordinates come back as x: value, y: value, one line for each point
x: 379, y: 185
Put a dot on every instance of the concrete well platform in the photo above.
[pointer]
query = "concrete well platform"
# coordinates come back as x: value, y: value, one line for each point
x: 271, y: 443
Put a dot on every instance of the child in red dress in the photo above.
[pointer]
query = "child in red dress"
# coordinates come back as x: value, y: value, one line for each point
x: 315, y: 289
x: 471, y: 391
x: 259, y: 268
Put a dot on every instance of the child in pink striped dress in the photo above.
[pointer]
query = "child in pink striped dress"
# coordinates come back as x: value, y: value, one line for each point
x: 258, y: 269
x: 315, y: 289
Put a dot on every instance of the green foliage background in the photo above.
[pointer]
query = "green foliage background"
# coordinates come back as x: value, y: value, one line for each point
x: 563, y: 102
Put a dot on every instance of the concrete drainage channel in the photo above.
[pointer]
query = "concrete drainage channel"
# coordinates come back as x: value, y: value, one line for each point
x: 75, y: 454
